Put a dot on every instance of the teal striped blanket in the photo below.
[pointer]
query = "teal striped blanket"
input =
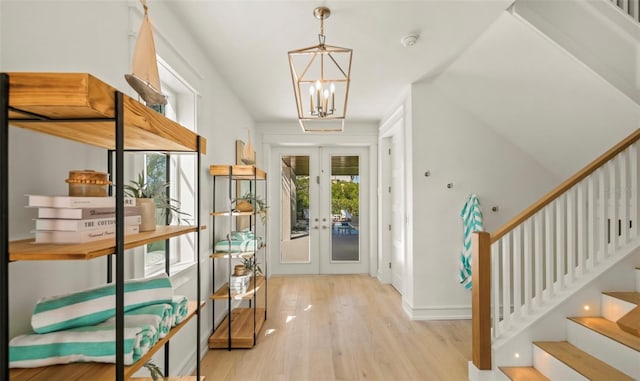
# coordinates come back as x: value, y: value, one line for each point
x: 93, y: 306
x: 92, y: 343
x: 144, y: 326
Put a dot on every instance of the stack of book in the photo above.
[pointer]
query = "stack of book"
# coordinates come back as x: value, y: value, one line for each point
x: 239, y: 284
x: 68, y: 219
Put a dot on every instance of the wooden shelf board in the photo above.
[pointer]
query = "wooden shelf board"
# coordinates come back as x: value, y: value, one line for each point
x: 238, y: 172
x: 183, y: 378
x: 26, y: 250
x: 227, y: 213
x: 241, y: 329
x: 67, y: 96
x: 224, y: 254
x: 97, y: 371
x: 223, y: 292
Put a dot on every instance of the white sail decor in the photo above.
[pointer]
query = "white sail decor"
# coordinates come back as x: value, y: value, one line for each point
x: 144, y: 78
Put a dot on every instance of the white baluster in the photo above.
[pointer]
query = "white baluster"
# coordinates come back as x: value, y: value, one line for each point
x: 495, y: 279
x: 591, y: 221
x: 561, y: 249
x: 623, y: 200
x: 549, y: 254
x: 612, y: 168
x: 528, y: 268
x: 538, y: 258
x: 506, y: 281
x: 517, y: 271
x: 582, y: 228
x: 625, y: 6
x: 603, y: 228
x: 571, y: 233
x: 633, y: 180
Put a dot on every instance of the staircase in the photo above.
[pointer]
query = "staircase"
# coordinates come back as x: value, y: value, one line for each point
x: 605, y: 347
x: 537, y: 280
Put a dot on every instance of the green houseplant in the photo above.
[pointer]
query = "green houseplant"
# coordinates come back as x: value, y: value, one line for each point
x: 151, y: 196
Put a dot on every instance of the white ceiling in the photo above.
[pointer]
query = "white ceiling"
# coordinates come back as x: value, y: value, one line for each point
x: 248, y: 43
x: 490, y: 62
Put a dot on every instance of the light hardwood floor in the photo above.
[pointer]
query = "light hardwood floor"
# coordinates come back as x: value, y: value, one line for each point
x: 344, y: 327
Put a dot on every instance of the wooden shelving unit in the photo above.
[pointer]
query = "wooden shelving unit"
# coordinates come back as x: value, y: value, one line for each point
x: 242, y: 329
x: 82, y: 108
x: 254, y: 286
x: 242, y: 323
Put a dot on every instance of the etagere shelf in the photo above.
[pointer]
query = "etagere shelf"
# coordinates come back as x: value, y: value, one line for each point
x: 242, y: 323
x: 82, y: 108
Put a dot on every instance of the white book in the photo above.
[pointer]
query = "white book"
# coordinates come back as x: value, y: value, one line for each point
x: 75, y: 202
x: 82, y: 225
x: 53, y: 236
x: 85, y: 213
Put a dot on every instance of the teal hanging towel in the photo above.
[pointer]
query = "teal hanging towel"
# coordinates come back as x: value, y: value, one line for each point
x: 471, y: 222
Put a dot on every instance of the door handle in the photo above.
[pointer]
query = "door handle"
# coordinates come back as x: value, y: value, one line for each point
x: 325, y: 227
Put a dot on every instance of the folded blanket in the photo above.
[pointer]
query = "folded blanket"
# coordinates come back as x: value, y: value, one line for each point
x: 238, y: 245
x: 92, y: 306
x: 180, y: 309
x: 160, y: 315
x: 91, y: 343
x: 241, y: 235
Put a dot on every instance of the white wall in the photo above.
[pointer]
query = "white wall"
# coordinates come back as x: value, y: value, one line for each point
x: 98, y: 37
x: 457, y: 148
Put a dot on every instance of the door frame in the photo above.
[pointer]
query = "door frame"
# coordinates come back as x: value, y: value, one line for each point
x: 289, y: 135
x: 393, y: 127
x: 320, y: 261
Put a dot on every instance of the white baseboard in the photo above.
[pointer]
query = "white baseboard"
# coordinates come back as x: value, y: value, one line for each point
x: 437, y: 312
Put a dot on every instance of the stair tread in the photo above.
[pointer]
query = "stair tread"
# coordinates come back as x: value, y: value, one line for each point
x: 523, y: 373
x: 628, y: 296
x: 582, y: 362
x: 609, y: 329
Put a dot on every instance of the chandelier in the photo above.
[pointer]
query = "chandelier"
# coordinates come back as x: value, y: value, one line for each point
x: 321, y: 76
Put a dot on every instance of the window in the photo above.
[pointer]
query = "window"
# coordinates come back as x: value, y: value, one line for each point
x: 178, y: 170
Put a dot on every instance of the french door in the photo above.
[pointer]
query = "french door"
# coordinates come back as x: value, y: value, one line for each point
x: 323, y: 218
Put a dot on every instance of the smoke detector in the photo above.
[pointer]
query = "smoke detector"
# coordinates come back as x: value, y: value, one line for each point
x: 409, y: 40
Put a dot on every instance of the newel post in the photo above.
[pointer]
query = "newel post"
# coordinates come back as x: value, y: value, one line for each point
x: 481, y: 300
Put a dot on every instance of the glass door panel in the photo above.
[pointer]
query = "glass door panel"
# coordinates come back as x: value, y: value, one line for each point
x: 345, y: 208
x: 294, y: 205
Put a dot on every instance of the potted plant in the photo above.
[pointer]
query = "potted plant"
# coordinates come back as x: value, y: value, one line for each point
x: 250, y: 202
x: 151, y: 196
x: 250, y: 263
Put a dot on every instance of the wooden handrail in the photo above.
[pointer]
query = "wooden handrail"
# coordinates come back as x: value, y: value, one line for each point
x: 564, y: 186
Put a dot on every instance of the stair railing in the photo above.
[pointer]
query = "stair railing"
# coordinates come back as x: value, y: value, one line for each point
x: 518, y: 269
x: 630, y: 7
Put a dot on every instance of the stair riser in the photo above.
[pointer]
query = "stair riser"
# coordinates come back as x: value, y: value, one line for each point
x: 615, y: 354
x: 553, y: 368
x: 638, y: 280
x: 614, y: 308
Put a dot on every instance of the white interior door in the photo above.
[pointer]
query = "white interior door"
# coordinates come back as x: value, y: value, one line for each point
x: 320, y: 233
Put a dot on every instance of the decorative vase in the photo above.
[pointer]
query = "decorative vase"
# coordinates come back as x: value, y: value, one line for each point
x: 147, y: 213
